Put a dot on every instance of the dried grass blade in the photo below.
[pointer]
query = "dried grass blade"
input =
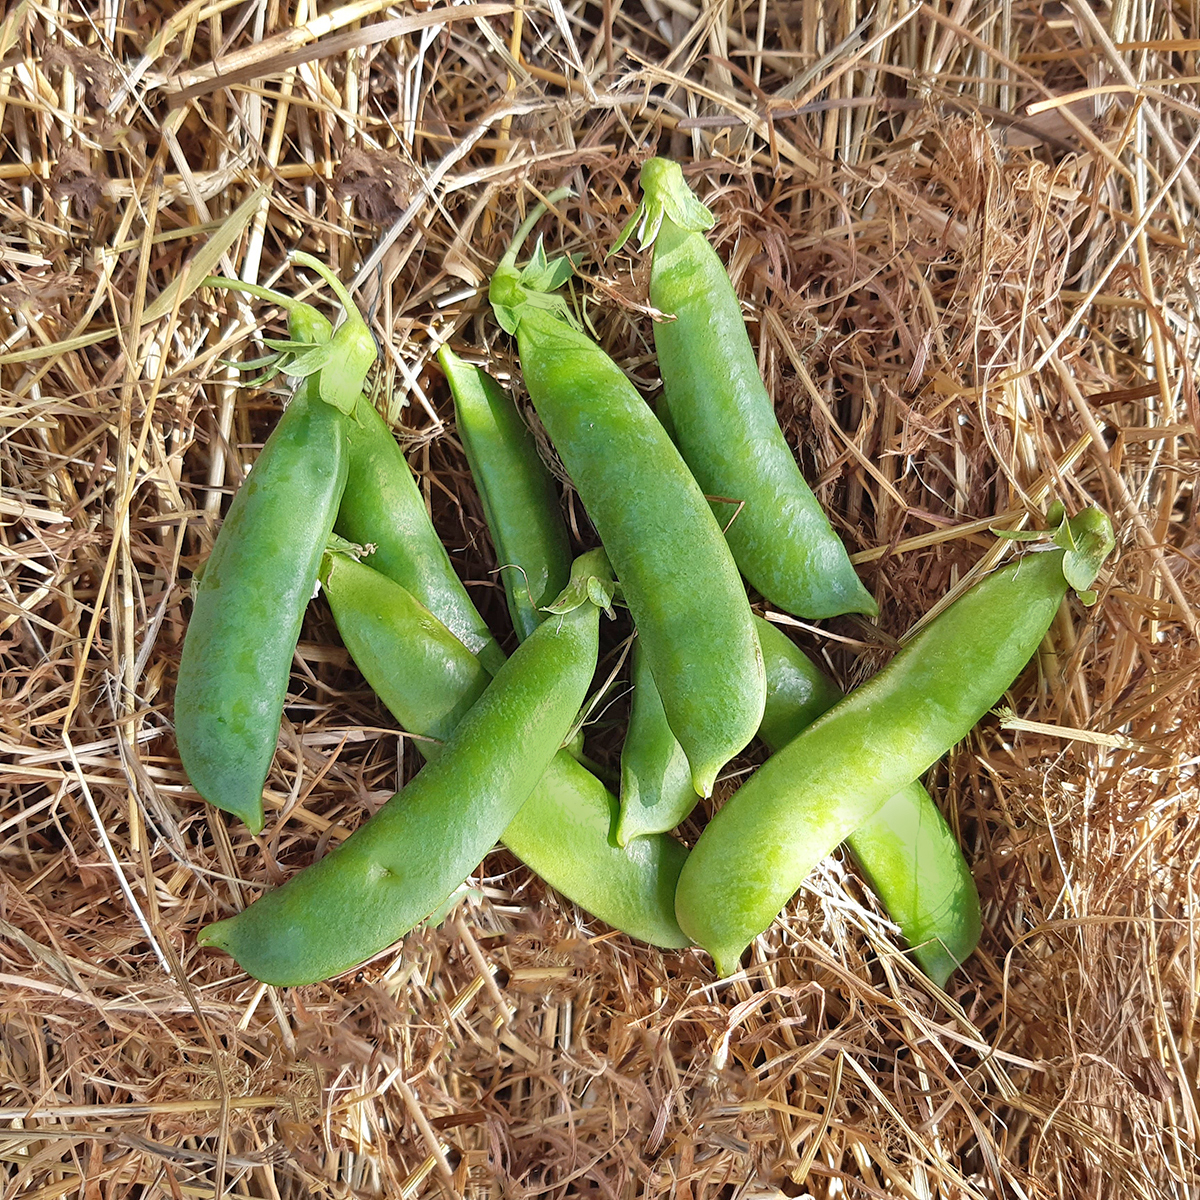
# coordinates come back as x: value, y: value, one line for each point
x: 207, y: 257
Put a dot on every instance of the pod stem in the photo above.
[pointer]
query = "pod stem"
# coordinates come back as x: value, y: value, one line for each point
x: 523, y: 230
x: 289, y: 303
x: 339, y: 358
x: 665, y: 196
x: 592, y: 581
x: 514, y: 291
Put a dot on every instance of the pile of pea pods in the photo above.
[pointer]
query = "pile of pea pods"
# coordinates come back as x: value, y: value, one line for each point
x: 688, y: 504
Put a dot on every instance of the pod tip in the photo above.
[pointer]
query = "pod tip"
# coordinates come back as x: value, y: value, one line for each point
x: 726, y: 962
x: 215, y: 934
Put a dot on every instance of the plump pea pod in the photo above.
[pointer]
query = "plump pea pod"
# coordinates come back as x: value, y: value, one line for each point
x: 383, y: 507
x: 656, y: 781
x: 676, y: 572
x: 656, y: 794
x: 724, y: 420
x: 520, y: 502
x: 411, y: 855
x: 250, y: 602
x: 906, y: 850
x: 519, y: 498
x: 825, y: 783
x: 427, y: 679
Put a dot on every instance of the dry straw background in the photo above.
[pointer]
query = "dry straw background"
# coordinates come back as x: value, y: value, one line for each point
x: 965, y: 236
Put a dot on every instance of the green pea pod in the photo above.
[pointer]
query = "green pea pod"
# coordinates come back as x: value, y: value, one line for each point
x: 798, y: 692
x: 383, y: 507
x: 520, y: 502
x: 429, y: 685
x: 427, y: 678
x: 907, y: 851
x: 519, y: 499
x: 914, y: 864
x: 656, y: 781
x: 724, y: 420
x: 563, y: 830
x: 250, y: 602
x: 825, y: 783
x: 409, y: 857
x: 676, y: 572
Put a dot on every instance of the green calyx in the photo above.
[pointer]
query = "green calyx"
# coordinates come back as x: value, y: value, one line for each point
x: 337, y: 547
x: 1086, y: 540
x: 591, y: 582
x: 340, y: 358
x: 535, y: 285
x: 665, y: 195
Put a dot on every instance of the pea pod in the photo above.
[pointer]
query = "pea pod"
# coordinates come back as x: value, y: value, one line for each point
x: 906, y: 850
x: 520, y: 502
x: 430, y: 680
x: 841, y: 769
x: 410, y: 856
x: 724, y: 420
x: 798, y: 692
x: 676, y: 572
x: 383, y: 507
x: 250, y: 600
x: 427, y: 678
x: 656, y: 782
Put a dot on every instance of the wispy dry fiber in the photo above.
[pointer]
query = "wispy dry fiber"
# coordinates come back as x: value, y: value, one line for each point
x: 965, y: 239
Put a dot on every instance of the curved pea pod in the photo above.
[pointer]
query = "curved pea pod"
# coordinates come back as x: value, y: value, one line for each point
x: 433, y: 683
x: 520, y: 502
x: 250, y: 602
x: 383, y: 507
x: 563, y: 834
x: 838, y: 773
x: 656, y: 781
x: 427, y: 678
x: 907, y: 851
x: 410, y: 856
x: 676, y: 572
x: 724, y: 420
x: 655, y: 795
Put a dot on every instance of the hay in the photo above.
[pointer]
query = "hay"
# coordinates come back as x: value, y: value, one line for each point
x: 965, y: 235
